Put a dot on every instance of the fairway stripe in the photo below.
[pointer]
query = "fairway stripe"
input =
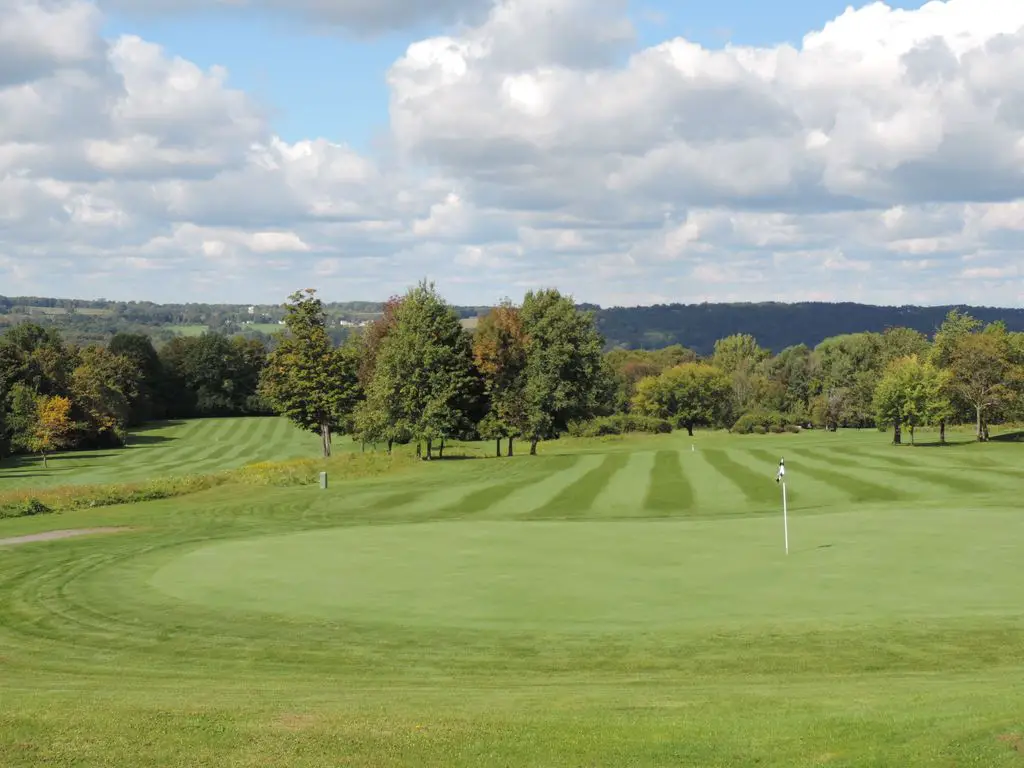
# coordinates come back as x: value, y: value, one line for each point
x: 627, y: 487
x: 669, y: 489
x: 937, y: 477
x: 756, y: 487
x: 576, y: 500
x: 855, y: 488
x: 535, y: 495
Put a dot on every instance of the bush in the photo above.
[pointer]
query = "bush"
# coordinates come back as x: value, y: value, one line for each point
x: 762, y: 422
x: 619, y: 424
x: 23, y: 508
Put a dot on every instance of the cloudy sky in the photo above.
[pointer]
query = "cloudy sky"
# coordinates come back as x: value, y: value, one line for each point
x: 625, y: 152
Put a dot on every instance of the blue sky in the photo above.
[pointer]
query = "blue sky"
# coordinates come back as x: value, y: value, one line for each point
x: 624, y: 154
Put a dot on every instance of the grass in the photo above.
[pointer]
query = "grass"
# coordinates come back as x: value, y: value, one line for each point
x: 169, y: 449
x: 620, y: 602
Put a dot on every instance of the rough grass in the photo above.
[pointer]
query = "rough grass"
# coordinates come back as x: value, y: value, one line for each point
x: 605, y: 603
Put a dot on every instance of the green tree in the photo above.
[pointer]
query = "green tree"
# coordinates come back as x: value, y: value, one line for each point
x: 150, y: 401
x: 566, y: 379
x: 629, y: 366
x: 104, y: 386
x: 689, y: 395
x: 979, y: 366
x: 424, y: 381
x: 307, y: 378
x: 499, y: 352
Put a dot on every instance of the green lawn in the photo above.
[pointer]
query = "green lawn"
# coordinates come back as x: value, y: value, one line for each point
x: 619, y: 602
x: 169, y: 448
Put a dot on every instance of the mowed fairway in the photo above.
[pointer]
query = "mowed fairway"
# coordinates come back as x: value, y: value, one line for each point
x: 606, y: 603
x: 169, y: 448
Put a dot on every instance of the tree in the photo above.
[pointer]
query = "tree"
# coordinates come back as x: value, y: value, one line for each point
x: 424, y: 381
x: 689, y: 395
x: 104, y: 386
x: 150, y: 401
x: 979, y: 368
x: 629, y: 366
x: 307, y: 378
x: 499, y: 352
x: 565, y: 373
x: 53, y: 426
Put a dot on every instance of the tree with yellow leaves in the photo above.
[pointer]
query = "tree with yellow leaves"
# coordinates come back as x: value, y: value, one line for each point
x: 53, y: 426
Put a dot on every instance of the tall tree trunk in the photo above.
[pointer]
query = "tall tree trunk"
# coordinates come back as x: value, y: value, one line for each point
x: 430, y: 448
x: 419, y: 450
x: 440, y: 449
x: 897, y: 434
x: 979, y: 433
x: 689, y: 428
x: 391, y: 444
x: 498, y: 441
x: 510, y: 446
x: 44, y: 459
x: 533, y: 446
x: 325, y: 438
x: 942, y: 431
x: 911, y: 434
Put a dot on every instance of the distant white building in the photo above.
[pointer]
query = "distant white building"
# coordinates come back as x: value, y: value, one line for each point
x: 252, y: 310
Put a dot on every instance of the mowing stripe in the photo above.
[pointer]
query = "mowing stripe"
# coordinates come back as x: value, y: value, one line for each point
x: 855, y: 488
x: 669, y: 490
x: 756, y: 487
x: 627, y: 488
x: 557, y: 475
x: 906, y: 470
x: 576, y: 500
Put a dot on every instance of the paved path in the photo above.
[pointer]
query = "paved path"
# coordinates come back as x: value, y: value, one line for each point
x: 49, y: 535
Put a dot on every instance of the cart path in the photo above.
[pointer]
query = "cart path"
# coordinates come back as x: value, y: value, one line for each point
x: 50, y: 535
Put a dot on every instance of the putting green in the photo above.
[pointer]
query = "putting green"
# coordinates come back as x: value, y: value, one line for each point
x: 609, y: 577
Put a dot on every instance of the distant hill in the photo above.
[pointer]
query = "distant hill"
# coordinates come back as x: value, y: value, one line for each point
x: 697, y: 326
x: 774, y: 325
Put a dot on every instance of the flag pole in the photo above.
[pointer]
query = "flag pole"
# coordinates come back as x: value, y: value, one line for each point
x: 785, y: 517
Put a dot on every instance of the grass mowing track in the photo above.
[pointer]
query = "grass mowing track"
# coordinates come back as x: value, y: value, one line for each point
x: 619, y: 602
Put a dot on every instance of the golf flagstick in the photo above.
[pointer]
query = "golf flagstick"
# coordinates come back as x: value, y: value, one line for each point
x: 785, y: 520
x: 781, y: 476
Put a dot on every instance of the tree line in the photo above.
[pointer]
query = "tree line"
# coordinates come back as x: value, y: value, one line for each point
x: 531, y: 371
x: 775, y: 325
x: 57, y: 395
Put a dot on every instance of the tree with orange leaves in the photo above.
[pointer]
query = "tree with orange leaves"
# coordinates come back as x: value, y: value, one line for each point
x: 499, y: 351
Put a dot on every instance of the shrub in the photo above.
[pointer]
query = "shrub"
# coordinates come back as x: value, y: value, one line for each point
x: 23, y: 508
x: 762, y: 422
x: 619, y: 424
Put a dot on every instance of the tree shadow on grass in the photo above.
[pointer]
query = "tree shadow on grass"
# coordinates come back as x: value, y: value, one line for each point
x: 1008, y: 437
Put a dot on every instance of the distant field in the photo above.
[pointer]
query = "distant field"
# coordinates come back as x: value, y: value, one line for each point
x: 267, y: 328
x: 187, y: 330
x: 174, y: 448
x: 609, y: 602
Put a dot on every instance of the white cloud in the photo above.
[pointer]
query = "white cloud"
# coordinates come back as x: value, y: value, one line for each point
x: 362, y: 16
x: 881, y: 160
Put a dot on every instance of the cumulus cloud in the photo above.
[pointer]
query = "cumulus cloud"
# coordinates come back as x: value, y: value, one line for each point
x: 881, y: 159
x: 360, y: 16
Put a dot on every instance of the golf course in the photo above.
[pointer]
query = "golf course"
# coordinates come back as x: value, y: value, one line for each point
x: 617, y: 601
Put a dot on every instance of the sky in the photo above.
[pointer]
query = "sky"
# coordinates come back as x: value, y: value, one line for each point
x: 624, y: 152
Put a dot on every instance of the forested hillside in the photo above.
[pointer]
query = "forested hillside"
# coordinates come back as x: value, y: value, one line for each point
x: 775, y: 326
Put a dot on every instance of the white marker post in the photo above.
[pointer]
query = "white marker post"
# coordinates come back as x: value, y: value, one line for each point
x: 781, y: 477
